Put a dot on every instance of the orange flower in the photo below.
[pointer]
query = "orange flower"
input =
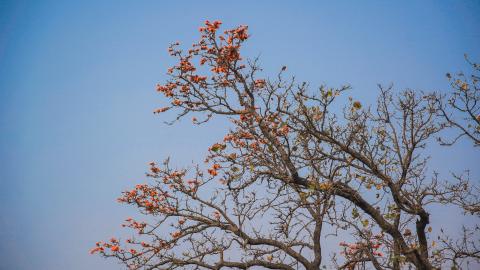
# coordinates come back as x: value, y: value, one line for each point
x: 161, y: 110
x: 185, y: 88
x: 182, y: 220
x: 217, y: 147
x: 241, y: 32
x: 246, y: 135
x: 211, y: 27
x: 95, y: 250
x: 186, y: 66
x: 219, y: 69
x: 176, y: 234
x: 115, y: 248
x: 228, y: 138
x: 212, y: 172
x: 197, y: 79
x: 177, y: 102
x: 224, y: 83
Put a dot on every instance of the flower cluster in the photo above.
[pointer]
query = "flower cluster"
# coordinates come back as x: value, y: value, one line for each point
x: 167, y: 89
x: 361, y: 249
x: 176, y: 234
x: 220, y: 52
x: 131, y: 249
x: 213, y: 170
x: 149, y: 198
x: 138, y: 226
x: 210, y: 27
x: 353, y: 249
x: 101, y: 247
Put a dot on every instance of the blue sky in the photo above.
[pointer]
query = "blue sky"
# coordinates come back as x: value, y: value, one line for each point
x: 77, y: 91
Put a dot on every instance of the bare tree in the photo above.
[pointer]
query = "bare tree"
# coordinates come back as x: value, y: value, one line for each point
x: 462, y: 108
x: 290, y: 165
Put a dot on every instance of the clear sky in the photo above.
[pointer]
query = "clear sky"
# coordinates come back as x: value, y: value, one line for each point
x: 77, y: 91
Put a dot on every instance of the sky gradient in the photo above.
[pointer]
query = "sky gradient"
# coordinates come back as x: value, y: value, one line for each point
x: 77, y: 91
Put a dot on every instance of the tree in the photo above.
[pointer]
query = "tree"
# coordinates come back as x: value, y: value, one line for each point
x: 292, y: 166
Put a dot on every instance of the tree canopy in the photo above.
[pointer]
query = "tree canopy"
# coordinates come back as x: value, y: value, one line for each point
x: 290, y: 166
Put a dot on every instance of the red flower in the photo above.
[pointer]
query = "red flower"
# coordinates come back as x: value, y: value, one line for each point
x: 176, y: 234
x: 212, y: 172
